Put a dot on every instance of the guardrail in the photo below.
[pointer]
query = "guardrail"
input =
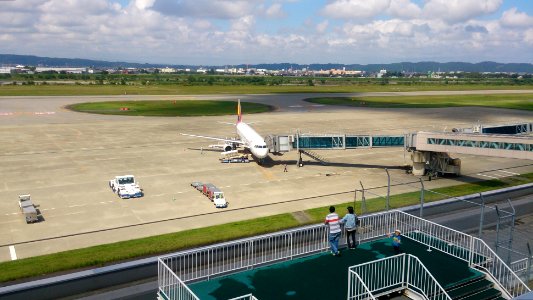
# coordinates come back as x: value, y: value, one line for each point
x: 202, y: 263
x: 463, y: 246
x: 395, y: 273
x: 245, y: 297
x: 171, y: 287
x: 357, y: 289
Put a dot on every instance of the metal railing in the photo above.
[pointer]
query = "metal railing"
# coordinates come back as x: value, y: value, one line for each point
x: 244, y: 254
x: 171, y: 287
x: 395, y: 273
x: 357, y: 289
x: 202, y: 263
x: 245, y: 297
x: 463, y: 246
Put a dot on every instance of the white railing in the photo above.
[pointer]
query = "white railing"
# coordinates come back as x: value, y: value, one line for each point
x: 357, y: 289
x: 245, y: 297
x: 202, y: 263
x: 171, y: 287
x: 519, y: 265
x: 455, y: 243
x: 395, y: 273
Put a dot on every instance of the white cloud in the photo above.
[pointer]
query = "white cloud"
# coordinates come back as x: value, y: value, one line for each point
x: 515, y: 18
x: 404, y: 9
x: 229, y: 32
x: 355, y: 9
x: 322, y: 26
x: 222, y: 9
x: 459, y: 10
x: 275, y: 11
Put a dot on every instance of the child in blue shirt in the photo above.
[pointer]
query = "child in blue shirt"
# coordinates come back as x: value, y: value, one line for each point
x: 396, y: 241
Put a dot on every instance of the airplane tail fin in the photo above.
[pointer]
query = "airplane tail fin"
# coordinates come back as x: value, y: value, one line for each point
x: 239, y: 113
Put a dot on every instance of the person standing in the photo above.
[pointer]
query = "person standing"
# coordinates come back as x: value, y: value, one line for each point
x: 350, y: 225
x: 285, y: 168
x: 332, y: 219
x: 396, y: 241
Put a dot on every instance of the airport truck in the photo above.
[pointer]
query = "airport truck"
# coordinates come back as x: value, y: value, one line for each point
x: 213, y: 193
x: 30, y: 211
x: 126, y: 187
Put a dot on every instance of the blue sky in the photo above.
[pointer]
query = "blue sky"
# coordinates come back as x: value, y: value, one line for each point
x: 226, y: 32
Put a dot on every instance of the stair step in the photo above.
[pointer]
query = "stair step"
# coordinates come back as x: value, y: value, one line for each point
x: 489, y: 294
x: 462, y: 282
x: 470, y: 288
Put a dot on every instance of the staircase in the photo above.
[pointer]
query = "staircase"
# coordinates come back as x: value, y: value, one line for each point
x: 314, y: 156
x: 477, y: 288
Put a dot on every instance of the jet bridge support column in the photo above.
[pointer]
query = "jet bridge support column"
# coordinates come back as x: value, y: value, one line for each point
x: 435, y: 163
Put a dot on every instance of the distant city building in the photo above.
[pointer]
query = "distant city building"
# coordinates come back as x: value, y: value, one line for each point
x: 59, y: 70
x: 167, y: 70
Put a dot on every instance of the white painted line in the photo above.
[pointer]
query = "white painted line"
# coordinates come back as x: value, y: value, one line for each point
x: 509, y: 172
x: 317, y: 105
x: 295, y: 106
x: 179, y: 192
x: 503, y: 175
x: 12, y: 252
x: 102, y: 202
x: 77, y: 205
x: 74, y: 213
x: 488, y: 176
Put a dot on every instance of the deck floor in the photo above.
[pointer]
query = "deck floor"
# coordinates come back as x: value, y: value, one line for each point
x: 323, y: 276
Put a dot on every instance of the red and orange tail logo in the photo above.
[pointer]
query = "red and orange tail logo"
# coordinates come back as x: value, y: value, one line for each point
x: 239, y: 113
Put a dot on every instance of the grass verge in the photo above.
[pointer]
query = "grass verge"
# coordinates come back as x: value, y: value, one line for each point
x: 182, y: 108
x: 512, y: 101
x: 156, y: 245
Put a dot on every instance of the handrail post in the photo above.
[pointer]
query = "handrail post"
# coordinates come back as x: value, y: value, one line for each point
x: 529, y: 258
x: 421, y: 198
x: 363, y: 199
x: 471, y: 254
x: 388, y: 189
x: 481, y: 216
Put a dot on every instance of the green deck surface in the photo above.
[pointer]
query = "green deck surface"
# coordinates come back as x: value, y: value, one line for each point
x: 324, y: 276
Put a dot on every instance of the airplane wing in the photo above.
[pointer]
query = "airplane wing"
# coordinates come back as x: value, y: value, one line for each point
x: 215, y: 138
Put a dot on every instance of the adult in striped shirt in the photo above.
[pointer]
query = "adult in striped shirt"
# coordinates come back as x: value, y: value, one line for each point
x: 332, y: 219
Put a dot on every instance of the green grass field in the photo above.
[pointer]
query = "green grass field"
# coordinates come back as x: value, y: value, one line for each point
x: 182, y: 108
x: 78, y: 90
x: 161, y: 244
x: 512, y: 101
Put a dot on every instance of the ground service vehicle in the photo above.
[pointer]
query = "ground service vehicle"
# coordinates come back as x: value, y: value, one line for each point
x: 28, y: 208
x: 126, y: 187
x: 213, y: 193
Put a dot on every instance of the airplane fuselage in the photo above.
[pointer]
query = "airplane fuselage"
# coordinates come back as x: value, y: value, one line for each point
x: 252, y: 140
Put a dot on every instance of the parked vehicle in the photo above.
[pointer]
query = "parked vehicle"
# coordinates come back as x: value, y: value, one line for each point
x: 212, y: 192
x: 126, y: 187
x: 30, y: 210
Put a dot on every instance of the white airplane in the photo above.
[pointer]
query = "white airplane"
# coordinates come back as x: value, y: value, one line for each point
x: 248, y: 138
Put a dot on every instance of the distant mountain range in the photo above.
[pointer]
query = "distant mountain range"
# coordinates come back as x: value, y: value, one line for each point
x: 420, y: 67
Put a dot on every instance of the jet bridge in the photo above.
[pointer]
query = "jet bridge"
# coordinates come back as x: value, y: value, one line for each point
x: 432, y: 148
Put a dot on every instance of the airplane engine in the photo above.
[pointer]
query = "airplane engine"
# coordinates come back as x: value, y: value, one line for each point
x: 228, y: 147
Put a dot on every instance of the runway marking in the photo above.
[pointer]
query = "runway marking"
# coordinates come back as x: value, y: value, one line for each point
x: 317, y: 105
x: 77, y: 205
x: 504, y: 175
x: 12, y: 252
x: 74, y: 213
x: 45, y: 209
x: 488, y: 176
x: 35, y: 113
x: 295, y: 106
x: 509, y: 172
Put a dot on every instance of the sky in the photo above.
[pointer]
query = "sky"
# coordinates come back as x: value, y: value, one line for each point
x: 228, y: 32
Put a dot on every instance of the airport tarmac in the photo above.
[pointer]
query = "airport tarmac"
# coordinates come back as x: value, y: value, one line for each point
x: 65, y: 159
